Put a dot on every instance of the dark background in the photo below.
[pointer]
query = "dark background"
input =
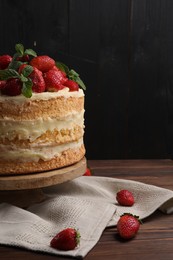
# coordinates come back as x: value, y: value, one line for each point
x: 123, y: 51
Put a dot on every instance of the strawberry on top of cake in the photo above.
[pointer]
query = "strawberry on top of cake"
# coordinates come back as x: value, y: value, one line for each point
x: 26, y: 72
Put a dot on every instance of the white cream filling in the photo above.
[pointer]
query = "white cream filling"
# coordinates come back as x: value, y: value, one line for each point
x: 32, y: 129
x: 42, y: 96
x: 34, y: 154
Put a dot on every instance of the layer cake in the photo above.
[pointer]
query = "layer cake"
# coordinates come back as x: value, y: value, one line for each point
x: 41, y: 132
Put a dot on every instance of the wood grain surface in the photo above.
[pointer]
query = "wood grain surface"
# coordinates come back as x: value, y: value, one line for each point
x: 155, y: 238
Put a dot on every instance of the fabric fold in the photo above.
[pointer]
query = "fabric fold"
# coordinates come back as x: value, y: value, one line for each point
x: 86, y: 203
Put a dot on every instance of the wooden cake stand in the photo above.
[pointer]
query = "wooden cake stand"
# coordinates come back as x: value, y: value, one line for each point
x: 24, y: 190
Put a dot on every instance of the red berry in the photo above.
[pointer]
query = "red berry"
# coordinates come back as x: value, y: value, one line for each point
x: 54, y: 80
x: 24, y: 58
x: 87, y: 173
x: 125, y: 198
x: 2, y: 84
x: 21, y: 68
x: 72, y: 85
x: 12, y: 87
x: 128, y: 226
x: 38, y: 81
x: 65, y: 240
x: 62, y: 72
x: 43, y: 63
x: 5, y: 61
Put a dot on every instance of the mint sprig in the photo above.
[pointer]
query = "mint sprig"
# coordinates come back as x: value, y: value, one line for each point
x: 8, y: 73
x: 27, y: 88
x: 26, y: 81
x: 71, y: 74
x: 62, y: 67
x: 21, y: 51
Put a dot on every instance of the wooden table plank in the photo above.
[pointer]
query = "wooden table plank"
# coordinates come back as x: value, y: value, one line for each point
x: 155, y: 237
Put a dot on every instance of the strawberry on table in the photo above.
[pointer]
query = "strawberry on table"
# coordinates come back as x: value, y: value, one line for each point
x: 128, y: 226
x: 5, y: 61
x: 43, y: 63
x: 87, y: 173
x: 67, y: 239
x: 125, y: 198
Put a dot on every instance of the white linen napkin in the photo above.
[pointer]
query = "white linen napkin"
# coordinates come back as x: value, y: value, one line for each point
x: 86, y: 203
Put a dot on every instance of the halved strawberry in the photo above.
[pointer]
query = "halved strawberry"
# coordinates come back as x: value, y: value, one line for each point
x: 5, y: 61
x: 38, y: 81
x: 43, y: 63
x: 13, y: 87
x: 54, y: 80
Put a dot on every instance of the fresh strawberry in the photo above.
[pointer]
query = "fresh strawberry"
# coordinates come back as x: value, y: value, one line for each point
x: 5, y: 61
x: 38, y: 81
x: 125, y: 198
x: 54, y: 80
x: 87, y: 173
x: 128, y: 226
x: 43, y: 63
x: 2, y: 84
x: 12, y: 87
x: 24, y: 58
x: 66, y: 240
x: 72, y: 85
x: 62, y: 72
x: 21, y: 68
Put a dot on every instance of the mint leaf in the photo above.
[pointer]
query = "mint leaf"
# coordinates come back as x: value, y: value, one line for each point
x: 8, y: 73
x: 73, y: 74
x: 19, y: 48
x: 27, y: 70
x: 80, y: 82
x: 23, y: 78
x: 62, y: 67
x: 30, y: 52
x: 27, y: 88
x: 14, y: 64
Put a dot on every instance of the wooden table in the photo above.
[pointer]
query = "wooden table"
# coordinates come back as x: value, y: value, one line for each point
x: 155, y: 238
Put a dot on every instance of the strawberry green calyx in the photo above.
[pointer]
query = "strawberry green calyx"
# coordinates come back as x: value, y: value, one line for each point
x: 78, y: 237
x: 21, y: 51
x: 135, y: 216
x: 71, y: 74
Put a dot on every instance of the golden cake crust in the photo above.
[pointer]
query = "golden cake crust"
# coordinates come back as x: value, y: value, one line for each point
x: 67, y: 158
x: 58, y: 107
